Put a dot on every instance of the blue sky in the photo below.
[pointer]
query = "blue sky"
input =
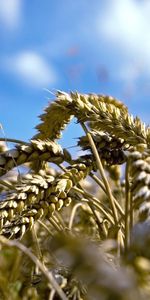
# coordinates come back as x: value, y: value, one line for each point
x: 100, y: 46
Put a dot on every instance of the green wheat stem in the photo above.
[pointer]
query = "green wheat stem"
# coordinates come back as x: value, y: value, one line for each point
x: 102, y: 173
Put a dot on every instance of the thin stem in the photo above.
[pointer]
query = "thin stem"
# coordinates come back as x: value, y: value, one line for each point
x: 120, y: 242
x: 44, y: 270
x: 95, y: 199
x: 7, y: 184
x: 102, y: 173
x: 13, y: 141
x: 57, y: 220
x: 52, y: 294
x: 59, y: 217
x: 107, y: 216
x: 100, y: 183
x: 127, y: 202
x: 36, y: 243
x: 95, y: 202
x: 105, y: 229
x: 55, y: 225
x: 72, y: 216
x: 89, y: 196
x: 98, y: 221
x: 98, y: 205
x: 131, y: 213
x: 45, y: 226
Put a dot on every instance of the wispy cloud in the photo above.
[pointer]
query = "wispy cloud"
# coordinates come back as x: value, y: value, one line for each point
x: 32, y: 68
x: 10, y: 13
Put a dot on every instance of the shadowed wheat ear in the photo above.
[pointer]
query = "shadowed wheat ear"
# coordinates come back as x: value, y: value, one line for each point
x: 110, y: 148
x: 140, y: 187
x: 37, y: 196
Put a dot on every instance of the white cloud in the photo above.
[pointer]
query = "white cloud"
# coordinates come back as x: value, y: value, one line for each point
x: 32, y: 68
x: 127, y: 22
x: 125, y: 25
x: 10, y: 12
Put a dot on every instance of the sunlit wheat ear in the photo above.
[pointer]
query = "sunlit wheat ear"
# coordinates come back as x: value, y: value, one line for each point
x: 36, y: 150
x: 140, y: 172
x: 57, y: 115
x: 103, y: 112
x: 38, y: 196
x: 122, y: 125
x: 110, y: 118
x: 96, y: 99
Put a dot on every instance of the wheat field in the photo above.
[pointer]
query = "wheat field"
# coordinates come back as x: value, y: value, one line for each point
x: 77, y: 227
